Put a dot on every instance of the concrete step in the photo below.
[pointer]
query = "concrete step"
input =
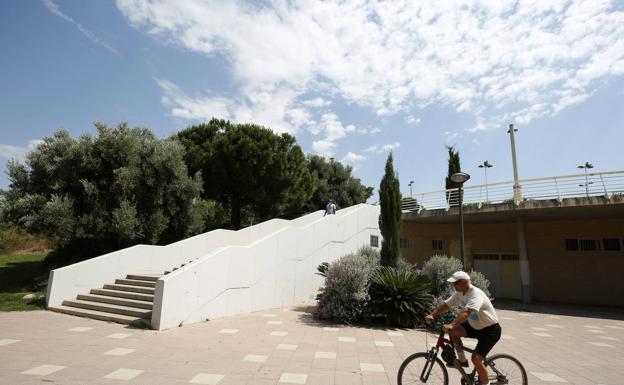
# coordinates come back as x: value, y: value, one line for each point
x: 133, y: 289
x: 124, y: 294
x: 109, y: 308
x: 122, y: 319
x: 144, y: 277
x: 135, y: 282
x: 116, y: 301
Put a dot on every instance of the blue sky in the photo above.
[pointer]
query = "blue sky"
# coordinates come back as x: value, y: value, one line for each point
x: 351, y: 79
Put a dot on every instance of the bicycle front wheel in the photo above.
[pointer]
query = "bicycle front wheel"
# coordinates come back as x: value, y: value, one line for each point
x: 505, y: 369
x: 420, y: 369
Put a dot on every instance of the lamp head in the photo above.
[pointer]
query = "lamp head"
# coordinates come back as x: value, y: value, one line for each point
x: 460, y: 177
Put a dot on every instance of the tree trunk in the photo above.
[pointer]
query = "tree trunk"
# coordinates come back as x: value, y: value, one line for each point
x: 235, y: 214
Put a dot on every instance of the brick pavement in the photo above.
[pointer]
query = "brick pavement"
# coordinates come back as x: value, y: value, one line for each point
x: 286, y: 346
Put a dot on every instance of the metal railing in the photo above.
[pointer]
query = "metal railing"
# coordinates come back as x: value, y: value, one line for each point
x: 605, y: 184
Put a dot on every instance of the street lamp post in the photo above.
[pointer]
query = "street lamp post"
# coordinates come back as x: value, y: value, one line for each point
x: 485, y: 166
x: 410, y: 186
x: 460, y: 178
x: 586, y: 166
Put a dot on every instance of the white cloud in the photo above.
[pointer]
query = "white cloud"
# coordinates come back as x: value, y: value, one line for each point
x: 391, y: 146
x: 270, y: 109
x: 317, y: 102
x: 449, y: 136
x: 18, y: 153
x: 474, y: 141
x: 383, y: 148
x: 54, y: 9
x: 374, y: 131
x: 353, y: 158
x: 332, y: 129
x: 498, y: 60
x: 324, y: 147
x: 411, y: 119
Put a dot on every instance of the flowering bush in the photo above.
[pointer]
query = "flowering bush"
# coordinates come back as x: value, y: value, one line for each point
x: 345, y: 295
x: 438, y: 268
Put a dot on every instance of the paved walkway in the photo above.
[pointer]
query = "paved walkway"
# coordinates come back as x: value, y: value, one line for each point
x: 286, y: 346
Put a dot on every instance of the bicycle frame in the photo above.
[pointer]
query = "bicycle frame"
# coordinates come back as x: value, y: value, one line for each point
x: 433, y: 353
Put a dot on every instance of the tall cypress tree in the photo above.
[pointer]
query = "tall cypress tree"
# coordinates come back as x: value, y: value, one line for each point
x: 454, y: 166
x: 390, y: 217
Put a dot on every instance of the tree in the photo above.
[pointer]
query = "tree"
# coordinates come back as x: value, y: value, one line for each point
x: 248, y: 166
x: 96, y: 194
x: 390, y: 216
x: 454, y: 166
x: 333, y: 181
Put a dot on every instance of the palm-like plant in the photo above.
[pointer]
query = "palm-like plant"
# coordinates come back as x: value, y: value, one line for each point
x: 400, y: 296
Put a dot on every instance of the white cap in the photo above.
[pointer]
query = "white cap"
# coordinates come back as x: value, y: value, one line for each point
x: 459, y: 275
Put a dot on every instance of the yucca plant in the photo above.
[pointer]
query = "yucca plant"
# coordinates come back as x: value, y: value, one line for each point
x: 400, y: 296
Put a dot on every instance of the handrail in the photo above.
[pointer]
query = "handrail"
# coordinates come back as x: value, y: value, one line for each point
x: 604, y: 184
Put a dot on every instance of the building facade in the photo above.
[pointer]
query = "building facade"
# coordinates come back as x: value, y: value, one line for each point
x: 568, y: 250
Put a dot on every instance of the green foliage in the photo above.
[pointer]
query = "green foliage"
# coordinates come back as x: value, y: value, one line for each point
x: 322, y: 268
x: 400, y: 296
x: 454, y: 166
x: 344, y: 298
x: 333, y: 181
x: 478, y: 279
x: 248, y: 166
x: 390, y: 216
x: 13, y: 240
x: 94, y: 194
x: 438, y: 269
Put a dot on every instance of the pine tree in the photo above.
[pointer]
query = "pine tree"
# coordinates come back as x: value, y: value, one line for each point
x: 390, y: 217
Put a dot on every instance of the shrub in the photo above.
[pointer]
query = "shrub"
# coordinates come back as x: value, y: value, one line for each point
x: 438, y: 268
x: 12, y: 240
x: 478, y: 279
x: 399, y: 295
x: 345, y: 295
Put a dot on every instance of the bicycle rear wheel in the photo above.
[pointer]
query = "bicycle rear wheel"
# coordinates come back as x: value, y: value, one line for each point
x: 419, y: 369
x: 504, y: 369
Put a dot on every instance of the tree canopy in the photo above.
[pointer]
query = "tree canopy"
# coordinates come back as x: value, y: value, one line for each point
x: 246, y: 165
x: 333, y: 181
x: 390, y: 216
x: 121, y: 187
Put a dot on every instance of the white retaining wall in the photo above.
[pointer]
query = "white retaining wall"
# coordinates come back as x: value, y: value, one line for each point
x: 276, y: 270
x: 80, y: 278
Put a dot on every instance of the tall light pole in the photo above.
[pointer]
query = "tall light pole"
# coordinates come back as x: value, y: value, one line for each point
x: 485, y: 166
x: 586, y: 166
x: 410, y: 186
x: 460, y: 178
x: 517, y: 192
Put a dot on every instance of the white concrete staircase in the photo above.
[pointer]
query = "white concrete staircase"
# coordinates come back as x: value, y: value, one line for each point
x: 128, y: 301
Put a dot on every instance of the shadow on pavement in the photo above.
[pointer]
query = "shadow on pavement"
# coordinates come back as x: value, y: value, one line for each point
x: 560, y: 309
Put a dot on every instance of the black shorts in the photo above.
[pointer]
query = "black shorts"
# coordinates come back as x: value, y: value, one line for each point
x: 486, y: 337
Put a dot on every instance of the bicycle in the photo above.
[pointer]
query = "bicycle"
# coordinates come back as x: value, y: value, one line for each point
x: 428, y: 368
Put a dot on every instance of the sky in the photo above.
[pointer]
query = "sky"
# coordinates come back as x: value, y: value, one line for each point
x: 351, y: 79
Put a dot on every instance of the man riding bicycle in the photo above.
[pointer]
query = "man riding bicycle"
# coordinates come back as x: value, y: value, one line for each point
x: 476, y: 319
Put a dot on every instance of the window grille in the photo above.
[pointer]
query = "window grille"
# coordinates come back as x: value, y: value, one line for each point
x: 611, y: 244
x: 572, y: 244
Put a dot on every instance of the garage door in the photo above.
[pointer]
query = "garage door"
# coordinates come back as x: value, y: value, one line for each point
x: 503, y: 272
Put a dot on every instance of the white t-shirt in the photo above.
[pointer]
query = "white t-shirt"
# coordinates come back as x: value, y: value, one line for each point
x: 483, y: 315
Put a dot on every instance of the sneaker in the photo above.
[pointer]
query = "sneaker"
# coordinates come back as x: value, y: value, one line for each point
x: 461, y: 363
